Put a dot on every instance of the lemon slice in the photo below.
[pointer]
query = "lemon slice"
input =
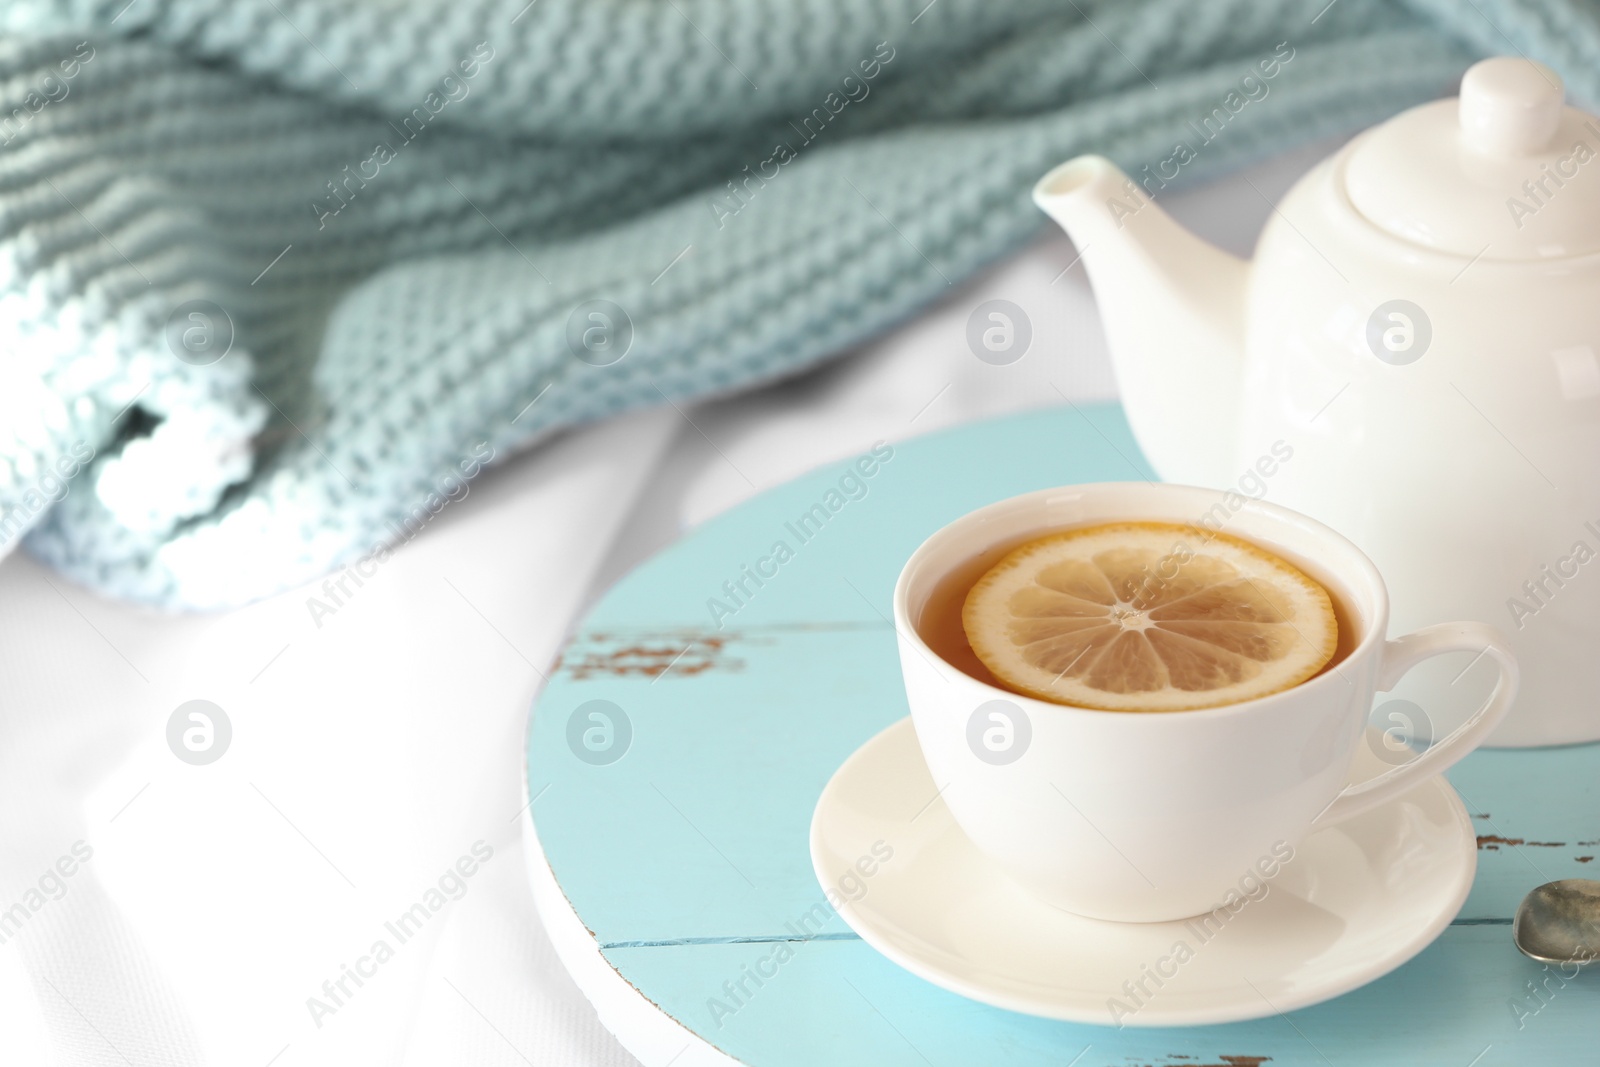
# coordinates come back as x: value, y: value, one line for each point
x: 1145, y: 616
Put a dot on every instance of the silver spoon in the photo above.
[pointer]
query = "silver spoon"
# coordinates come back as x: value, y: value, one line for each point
x: 1559, y: 922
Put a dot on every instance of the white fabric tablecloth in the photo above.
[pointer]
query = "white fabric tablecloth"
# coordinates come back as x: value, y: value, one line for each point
x: 372, y: 752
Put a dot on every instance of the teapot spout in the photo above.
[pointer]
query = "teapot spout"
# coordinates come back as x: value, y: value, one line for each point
x: 1173, y: 308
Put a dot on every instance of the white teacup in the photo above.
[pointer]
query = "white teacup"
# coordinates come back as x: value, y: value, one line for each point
x: 1146, y: 817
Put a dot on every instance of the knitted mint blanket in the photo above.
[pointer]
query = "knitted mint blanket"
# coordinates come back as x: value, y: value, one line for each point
x: 277, y: 276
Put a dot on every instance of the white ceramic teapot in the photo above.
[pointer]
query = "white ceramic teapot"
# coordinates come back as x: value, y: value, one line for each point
x: 1413, y: 357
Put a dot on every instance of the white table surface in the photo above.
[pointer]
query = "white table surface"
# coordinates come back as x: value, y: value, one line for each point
x: 372, y: 751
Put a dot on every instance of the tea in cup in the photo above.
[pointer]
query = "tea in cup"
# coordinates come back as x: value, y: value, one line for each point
x: 1149, y: 798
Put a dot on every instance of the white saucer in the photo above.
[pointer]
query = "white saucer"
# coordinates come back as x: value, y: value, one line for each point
x: 1357, y: 901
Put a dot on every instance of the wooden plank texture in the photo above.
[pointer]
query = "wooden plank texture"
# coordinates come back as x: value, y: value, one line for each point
x: 687, y: 856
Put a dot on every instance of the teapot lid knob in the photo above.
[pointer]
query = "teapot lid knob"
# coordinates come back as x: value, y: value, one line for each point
x: 1510, y: 106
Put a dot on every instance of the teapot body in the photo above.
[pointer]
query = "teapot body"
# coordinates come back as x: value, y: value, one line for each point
x: 1443, y: 412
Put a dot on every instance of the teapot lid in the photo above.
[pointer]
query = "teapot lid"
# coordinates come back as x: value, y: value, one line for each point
x: 1504, y: 172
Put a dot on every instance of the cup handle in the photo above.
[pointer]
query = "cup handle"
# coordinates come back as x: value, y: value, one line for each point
x: 1399, y: 656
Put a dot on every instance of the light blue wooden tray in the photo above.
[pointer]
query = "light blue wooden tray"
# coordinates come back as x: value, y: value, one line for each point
x: 686, y: 858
